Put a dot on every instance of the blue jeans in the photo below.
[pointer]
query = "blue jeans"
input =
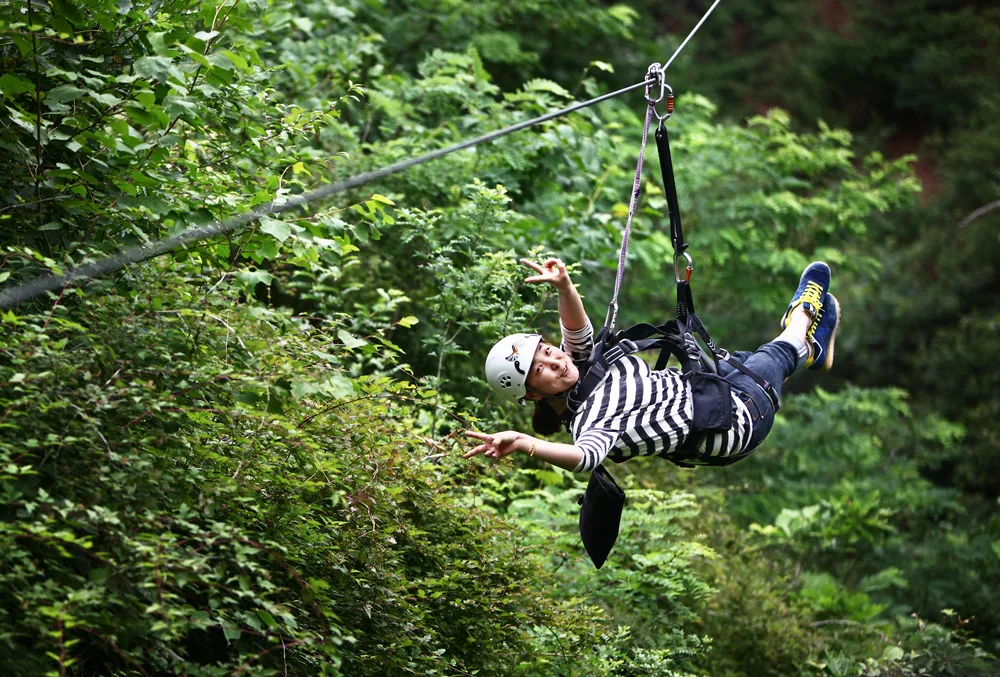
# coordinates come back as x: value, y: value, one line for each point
x: 773, y: 362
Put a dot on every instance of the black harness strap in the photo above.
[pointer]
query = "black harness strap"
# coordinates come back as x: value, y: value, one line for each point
x: 685, y: 301
x: 609, y: 348
x: 667, y: 172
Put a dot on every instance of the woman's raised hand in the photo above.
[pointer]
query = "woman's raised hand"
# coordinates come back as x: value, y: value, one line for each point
x: 572, y: 315
x: 496, y: 445
x: 553, y: 272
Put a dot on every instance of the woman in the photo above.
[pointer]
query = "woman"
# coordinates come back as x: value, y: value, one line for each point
x: 637, y: 411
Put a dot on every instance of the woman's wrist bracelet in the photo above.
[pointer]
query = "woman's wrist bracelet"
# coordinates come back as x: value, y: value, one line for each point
x: 531, y: 452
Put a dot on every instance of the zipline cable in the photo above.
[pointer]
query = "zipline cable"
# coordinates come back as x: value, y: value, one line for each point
x: 136, y: 254
x: 689, y: 36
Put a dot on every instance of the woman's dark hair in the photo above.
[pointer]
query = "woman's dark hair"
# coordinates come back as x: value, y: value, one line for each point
x: 546, y: 420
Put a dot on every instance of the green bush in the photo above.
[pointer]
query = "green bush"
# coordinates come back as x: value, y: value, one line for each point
x: 193, y: 484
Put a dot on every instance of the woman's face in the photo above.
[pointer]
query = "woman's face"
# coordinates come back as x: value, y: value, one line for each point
x: 552, y: 371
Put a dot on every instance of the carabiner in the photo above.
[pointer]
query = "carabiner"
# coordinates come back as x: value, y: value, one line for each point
x: 687, y: 271
x: 670, y: 104
x: 612, y: 317
x: 666, y: 90
x: 654, y: 72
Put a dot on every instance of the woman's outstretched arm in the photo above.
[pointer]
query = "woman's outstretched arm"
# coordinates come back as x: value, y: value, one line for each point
x: 498, y: 445
x: 571, y: 313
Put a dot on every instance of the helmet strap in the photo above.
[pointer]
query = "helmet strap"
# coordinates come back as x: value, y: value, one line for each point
x: 559, y: 399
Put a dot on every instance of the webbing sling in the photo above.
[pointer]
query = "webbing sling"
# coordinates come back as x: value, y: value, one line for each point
x: 612, y: 317
x: 685, y: 302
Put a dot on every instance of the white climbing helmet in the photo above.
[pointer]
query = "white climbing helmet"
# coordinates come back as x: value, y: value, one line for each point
x: 508, y: 363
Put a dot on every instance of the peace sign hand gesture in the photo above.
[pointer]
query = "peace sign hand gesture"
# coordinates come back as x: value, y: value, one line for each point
x: 553, y: 272
x: 495, y: 446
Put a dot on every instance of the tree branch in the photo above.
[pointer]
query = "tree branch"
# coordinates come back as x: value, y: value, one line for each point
x: 982, y: 211
x: 881, y: 634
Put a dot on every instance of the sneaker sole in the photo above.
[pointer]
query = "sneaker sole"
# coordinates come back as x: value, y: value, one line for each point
x: 828, y: 362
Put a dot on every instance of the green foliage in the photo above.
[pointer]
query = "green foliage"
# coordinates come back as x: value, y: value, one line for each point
x: 243, y: 457
x: 838, y: 489
x: 915, y: 63
x: 219, y: 501
x: 945, y: 649
x: 652, y: 586
x: 760, y: 202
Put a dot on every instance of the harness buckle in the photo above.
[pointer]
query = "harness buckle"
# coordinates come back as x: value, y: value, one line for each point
x: 614, y: 354
x: 619, y: 350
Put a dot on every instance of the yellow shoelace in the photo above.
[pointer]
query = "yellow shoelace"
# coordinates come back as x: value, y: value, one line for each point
x: 812, y: 294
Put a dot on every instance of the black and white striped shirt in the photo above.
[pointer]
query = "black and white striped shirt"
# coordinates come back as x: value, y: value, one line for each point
x: 636, y: 411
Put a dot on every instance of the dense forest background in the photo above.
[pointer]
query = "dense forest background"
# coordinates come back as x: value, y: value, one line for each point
x: 244, y: 457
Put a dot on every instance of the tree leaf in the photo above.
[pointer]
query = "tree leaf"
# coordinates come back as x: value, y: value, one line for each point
x: 340, y: 386
x: 106, y: 99
x: 237, y: 60
x: 196, y: 56
x: 350, y: 341
x: 279, y: 230
x: 157, y: 67
x: 254, y: 277
x: 64, y: 93
x: 267, y: 618
x: 11, y: 85
x: 893, y: 653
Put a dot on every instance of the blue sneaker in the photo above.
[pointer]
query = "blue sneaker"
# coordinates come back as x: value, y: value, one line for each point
x: 822, y: 335
x: 813, y: 286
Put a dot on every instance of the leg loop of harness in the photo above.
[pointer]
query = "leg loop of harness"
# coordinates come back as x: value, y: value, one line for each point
x: 766, y: 387
x: 755, y: 413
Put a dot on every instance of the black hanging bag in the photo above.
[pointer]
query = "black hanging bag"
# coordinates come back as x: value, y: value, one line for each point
x: 600, y: 515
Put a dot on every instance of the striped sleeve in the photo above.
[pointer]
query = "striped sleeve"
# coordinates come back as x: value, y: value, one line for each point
x: 595, y: 444
x: 578, y: 343
x: 591, y: 431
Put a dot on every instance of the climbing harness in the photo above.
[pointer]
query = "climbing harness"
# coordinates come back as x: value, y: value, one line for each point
x: 685, y: 337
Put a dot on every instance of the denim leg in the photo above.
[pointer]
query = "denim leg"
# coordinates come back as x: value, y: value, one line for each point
x: 773, y: 362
